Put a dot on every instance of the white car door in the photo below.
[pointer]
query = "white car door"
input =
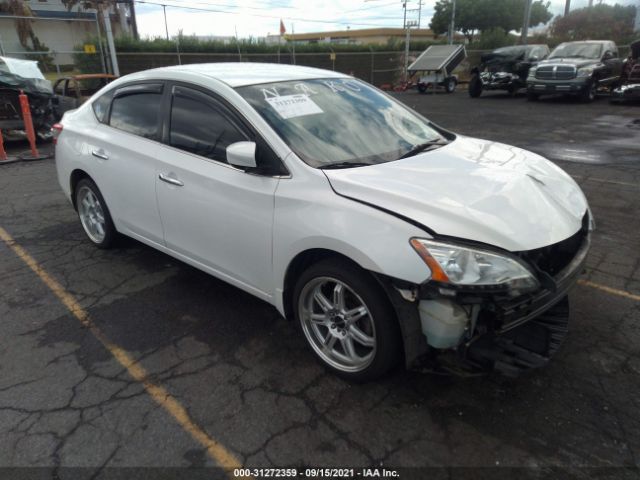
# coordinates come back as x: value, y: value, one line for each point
x: 123, y: 155
x: 217, y: 216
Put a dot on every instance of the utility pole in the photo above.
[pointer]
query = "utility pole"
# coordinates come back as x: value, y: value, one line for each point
x: 419, y: 12
x: 166, y: 28
x: 134, y: 21
x: 567, y: 7
x: 112, y: 46
x: 527, y: 19
x: 452, y: 25
x: 590, y: 3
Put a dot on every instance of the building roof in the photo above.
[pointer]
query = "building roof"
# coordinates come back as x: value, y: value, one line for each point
x: 238, y: 74
x: 363, y: 32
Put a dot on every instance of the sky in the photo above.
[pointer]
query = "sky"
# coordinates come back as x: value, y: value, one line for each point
x: 257, y: 18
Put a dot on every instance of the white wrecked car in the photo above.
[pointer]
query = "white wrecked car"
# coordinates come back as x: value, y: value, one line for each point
x: 384, y: 236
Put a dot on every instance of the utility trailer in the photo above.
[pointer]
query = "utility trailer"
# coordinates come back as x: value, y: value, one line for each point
x: 436, y: 65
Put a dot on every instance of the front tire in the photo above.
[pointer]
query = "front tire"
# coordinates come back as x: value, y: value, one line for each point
x: 590, y: 91
x: 475, y: 86
x: 347, y: 320
x: 94, y: 214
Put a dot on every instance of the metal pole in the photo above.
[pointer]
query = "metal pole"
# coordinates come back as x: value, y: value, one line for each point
x: 567, y: 7
x: 293, y: 43
x: 1, y: 47
x: 100, y: 46
x: 238, y: 44
x: 134, y: 21
x: 406, y: 55
x: 178, y: 47
x: 527, y: 19
x: 372, y: 63
x: 404, y: 21
x: 419, y: 12
x: 112, y: 46
x: 452, y: 25
x: 166, y: 28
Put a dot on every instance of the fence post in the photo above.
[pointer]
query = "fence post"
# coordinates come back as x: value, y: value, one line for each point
x: 372, y: 65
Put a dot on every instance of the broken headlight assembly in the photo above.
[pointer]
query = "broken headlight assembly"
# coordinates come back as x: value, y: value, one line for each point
x: 585, y: 72
x: 463, y: 266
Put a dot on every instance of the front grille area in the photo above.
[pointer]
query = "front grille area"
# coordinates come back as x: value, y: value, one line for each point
x: 553, y: 258
x: 556, y: 72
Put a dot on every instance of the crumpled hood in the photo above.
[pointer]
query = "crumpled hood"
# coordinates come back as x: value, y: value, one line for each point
x: 474, y: 189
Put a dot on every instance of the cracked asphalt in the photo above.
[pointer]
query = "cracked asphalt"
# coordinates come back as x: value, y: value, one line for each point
x: 245, y: 377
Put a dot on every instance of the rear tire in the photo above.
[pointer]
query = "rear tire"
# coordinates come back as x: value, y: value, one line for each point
x: 347, y: 320
x: 94, y: 214
x: 422, y: 88
x: 475, y: 86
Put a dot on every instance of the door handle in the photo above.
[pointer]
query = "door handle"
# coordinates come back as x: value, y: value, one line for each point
x: 100, y: 154
x: 171, y: 180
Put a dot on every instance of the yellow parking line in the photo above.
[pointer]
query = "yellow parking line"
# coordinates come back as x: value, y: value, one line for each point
x: 216, y: 450
x: 612, y: 291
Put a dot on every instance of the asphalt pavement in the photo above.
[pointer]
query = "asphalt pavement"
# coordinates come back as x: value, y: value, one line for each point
x: 129, y: 358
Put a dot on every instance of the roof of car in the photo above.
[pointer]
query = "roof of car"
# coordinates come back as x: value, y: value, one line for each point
x: 590, y: 41
x: 238, y: 74
x: 87, y: 76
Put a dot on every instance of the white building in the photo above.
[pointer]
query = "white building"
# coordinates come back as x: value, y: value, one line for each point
x: 61, y: 30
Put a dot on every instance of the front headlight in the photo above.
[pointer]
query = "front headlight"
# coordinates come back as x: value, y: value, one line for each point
x: 532, y: 72
x: 459, y: 265
x: 585, y: 72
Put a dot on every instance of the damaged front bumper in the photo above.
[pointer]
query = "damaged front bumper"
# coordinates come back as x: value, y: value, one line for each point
x: 471, y: 331
x: 629, y: 91
x: 501, y: 80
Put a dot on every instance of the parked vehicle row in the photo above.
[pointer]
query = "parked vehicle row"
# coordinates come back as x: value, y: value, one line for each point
x: 581, y: 68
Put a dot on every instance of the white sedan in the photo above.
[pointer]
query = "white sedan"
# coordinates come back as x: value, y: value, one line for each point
x: 384, y: 236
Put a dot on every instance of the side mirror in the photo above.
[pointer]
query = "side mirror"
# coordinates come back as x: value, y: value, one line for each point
x: 533, y: 58
x: 242, y: 154
x: 608, y: 55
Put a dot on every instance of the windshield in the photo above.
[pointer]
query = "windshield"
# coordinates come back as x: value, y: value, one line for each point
x: 577, y: 50
x: 517, y: 50
x: 339, y: 121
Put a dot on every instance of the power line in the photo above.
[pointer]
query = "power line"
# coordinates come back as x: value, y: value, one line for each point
x: 299, y: 19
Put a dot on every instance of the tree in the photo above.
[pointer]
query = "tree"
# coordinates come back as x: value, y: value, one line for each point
x: 600, y: 22
x: 482, y: 15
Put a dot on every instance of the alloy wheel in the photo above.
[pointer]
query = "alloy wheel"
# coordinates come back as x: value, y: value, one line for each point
x: 91, y: 215
x: 337, y: 324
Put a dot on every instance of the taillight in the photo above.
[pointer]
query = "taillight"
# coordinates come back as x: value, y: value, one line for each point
x: 56, y: 130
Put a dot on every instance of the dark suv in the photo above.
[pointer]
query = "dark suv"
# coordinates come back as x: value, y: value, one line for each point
x: 578, y: 68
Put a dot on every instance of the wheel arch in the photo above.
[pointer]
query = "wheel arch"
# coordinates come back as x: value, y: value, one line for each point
x: 299, y: 264
x: 75, y: 177
x: 406, y: 314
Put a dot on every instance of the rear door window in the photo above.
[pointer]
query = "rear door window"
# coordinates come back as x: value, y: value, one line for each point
x: 201, y: 125
x: 137, y: 113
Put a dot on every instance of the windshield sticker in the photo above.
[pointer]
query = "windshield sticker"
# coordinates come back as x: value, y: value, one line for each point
x: 269, y: 93
x: 304, y: 88
x: 291, y: 106
x: 342, y: 85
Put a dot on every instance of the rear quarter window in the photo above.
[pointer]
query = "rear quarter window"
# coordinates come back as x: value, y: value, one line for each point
x: 101, y: 106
